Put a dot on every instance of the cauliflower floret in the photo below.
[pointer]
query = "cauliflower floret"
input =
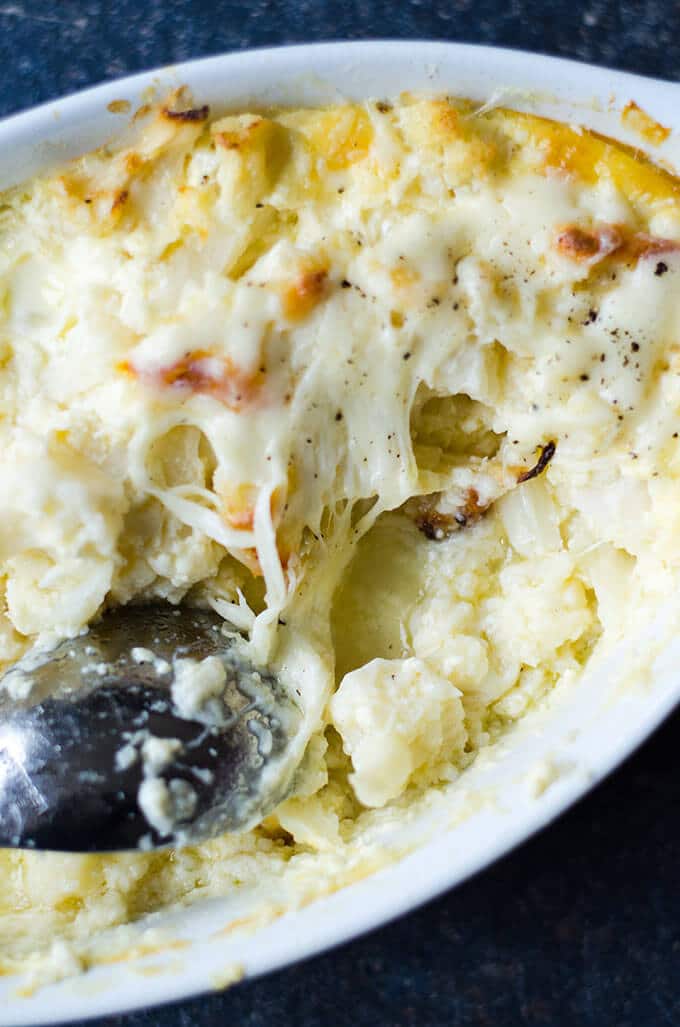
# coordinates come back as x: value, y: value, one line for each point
x: 396, y: 718
x: 542, y: 605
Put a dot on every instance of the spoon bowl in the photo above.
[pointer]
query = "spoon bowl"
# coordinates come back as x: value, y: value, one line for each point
x: 152, y: 729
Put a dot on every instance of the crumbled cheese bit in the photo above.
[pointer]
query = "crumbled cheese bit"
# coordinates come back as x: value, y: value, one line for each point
x: 141, y: 655
x: 166, y: 804
x: 157, y: 753
x: 101, y: 669
x: 126, y: 757
x: 196, y: 681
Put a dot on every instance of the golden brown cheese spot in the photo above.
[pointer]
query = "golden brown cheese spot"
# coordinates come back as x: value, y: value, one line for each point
x: 462, y: 145
x: 287, y: 530
x: 587, y: 156
x: 641, y: 245
x: 342, y: 136
x: 200, y: 372
x: 142, y: 111
x: 120, y: 198
x: 239, y: 506
x: 104, y: 207
x: 403, y: 276
x: 118, y: 106
x: 437, y: 524
x: 446, y: 118
x: 194, y: 114
x: 592, y: 245
x: 178, y: 108
x: 300, y: 297
x: 635, y: 118
x: 242, y: 135
x: 257, y: 149
x: 170, y: 127
x: 277, y: 503
x: 133, y: 162
x: 564, y: 152
x: 71, y: 187
x: 167, y: 252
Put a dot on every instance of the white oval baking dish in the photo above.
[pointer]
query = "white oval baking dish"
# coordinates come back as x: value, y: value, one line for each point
x: 501, y: 798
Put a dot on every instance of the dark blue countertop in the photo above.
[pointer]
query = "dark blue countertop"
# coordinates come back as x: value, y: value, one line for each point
x: 581, y: 925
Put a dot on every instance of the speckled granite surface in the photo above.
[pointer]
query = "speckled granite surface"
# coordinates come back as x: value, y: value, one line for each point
x: 581, y: 926
x: 47, y: 48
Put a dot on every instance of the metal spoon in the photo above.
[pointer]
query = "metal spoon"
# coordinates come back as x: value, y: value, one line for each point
x: 97, y: 755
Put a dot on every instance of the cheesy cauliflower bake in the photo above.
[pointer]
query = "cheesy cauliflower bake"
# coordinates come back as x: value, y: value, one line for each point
x: 393, y: 388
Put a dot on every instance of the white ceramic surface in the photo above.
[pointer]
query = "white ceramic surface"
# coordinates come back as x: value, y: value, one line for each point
x: 505, y: 808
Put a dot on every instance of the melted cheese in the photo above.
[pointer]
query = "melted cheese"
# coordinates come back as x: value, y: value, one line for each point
x: 394, y: 388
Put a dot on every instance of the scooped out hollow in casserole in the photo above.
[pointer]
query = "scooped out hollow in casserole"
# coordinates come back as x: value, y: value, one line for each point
x: 394, y: 388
